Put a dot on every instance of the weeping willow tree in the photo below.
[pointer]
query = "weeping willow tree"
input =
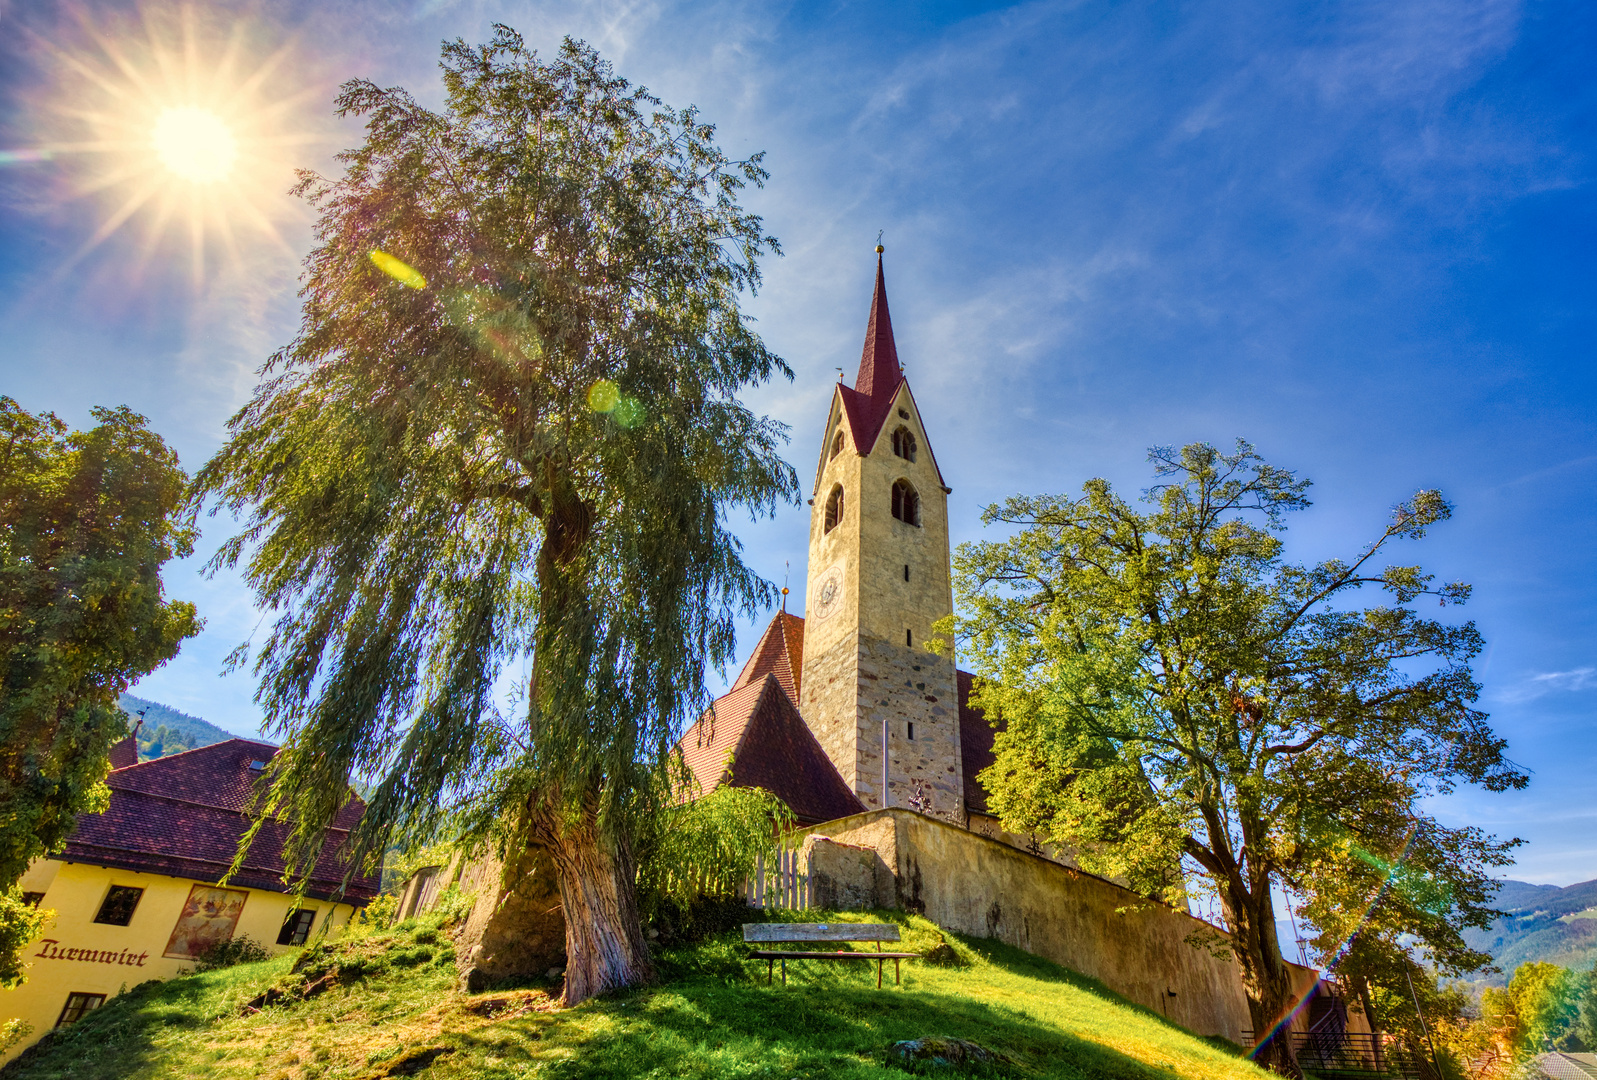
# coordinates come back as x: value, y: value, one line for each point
x: 503, y: 446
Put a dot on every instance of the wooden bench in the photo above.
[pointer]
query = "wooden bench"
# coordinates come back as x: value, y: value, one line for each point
x: 793, y: 933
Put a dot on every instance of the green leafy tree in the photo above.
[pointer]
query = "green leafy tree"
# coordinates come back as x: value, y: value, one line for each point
x: 506, y: 439
x: 87, y: 520
x: 1544, y: 1001
x: 1174, y: 693
x: 162, y: 742
x: 711, y: 845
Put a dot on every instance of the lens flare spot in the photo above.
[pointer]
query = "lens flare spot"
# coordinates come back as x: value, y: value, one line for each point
x: 628, y: 412
x: 194, y: 144
x: 401, y: 272
x: 603, y: 396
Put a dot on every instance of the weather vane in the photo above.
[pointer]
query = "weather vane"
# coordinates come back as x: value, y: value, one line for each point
x: 879, y: 248
x: 786, y: 570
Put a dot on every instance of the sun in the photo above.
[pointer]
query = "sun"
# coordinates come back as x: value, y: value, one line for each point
x: 181, y: 128
x: 194, y: 144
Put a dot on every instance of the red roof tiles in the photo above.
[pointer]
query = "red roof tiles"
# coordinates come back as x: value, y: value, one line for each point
x: 878, y: 363
x: 753, y: 735
x: 975, y: 746
x: 184, y: 815
x: 779, y: 652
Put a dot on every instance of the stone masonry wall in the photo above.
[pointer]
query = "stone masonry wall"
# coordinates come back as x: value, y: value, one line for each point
x: 914, y: 694
x: 978, y: 886
x: 875, y: 587
x: 829, y: 695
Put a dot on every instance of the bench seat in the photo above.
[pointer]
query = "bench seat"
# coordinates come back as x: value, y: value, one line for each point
x: 803, y: 933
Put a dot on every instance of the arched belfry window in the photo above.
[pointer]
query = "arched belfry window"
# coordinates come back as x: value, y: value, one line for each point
x: 834, y: 508
x: 906, y: 504
x: 837, y: 444
x: 904, y: 444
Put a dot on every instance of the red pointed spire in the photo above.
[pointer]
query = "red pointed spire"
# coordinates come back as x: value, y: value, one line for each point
x: 878, y: 364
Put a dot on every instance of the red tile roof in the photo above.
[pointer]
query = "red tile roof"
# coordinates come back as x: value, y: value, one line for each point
x: 125, y: 753
x: 753, y: 736
x: 878, y: 363
x: 868, y: 405
x: 975, y: 746
x: 779, y: 652
x: 183, y: 815
x: 773, y: 748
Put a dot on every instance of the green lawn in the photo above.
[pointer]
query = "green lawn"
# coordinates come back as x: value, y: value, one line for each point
x: 712, y: 1016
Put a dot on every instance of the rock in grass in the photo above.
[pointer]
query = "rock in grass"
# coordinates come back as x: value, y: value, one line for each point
x: 918, y: 1054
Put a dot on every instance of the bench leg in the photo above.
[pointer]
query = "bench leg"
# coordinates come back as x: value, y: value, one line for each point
x: 784, y: 972
x: 895, y: 973
x: 769, y: 966
x: 878, y: 974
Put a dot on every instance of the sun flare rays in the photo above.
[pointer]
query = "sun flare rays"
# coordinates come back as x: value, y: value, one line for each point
x: 181, y: 128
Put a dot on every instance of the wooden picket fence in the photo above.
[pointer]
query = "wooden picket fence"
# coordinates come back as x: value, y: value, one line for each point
x: 781, y: 880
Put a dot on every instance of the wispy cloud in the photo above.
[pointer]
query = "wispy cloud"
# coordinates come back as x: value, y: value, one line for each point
x: 1543, y: 683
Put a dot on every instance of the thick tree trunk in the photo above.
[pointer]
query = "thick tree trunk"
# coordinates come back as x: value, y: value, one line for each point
x: 1266, y: 978
x: 605, y: 947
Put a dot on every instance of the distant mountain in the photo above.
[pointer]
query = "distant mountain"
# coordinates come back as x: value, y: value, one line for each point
x: 167, y: 731
x: 1545, y: 922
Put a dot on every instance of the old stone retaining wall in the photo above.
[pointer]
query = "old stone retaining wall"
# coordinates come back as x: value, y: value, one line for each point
x: 979, y: 886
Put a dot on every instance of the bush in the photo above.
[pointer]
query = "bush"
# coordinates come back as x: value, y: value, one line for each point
x: 13, y: 1032
x: 375, y: 915
x: 454, y: 906
x: 224, y: 954
x: 679, y: 923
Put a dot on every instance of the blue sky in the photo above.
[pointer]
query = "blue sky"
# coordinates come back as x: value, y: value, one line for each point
x: 1360, y: 235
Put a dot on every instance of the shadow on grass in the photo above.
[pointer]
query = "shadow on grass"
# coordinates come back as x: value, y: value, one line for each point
x: 120, y: 1036
x: 715, y: 1017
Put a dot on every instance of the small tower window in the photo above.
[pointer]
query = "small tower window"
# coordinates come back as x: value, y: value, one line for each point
x: 904, y: 444
x: 837, y: 444
x: 911, y: 731
x: 906, y: 504
x: 906, y: 571
x: 908, y: 641
x: 834, y: 508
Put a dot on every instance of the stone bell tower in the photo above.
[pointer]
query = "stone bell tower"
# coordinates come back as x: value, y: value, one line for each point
x: 884, y: 707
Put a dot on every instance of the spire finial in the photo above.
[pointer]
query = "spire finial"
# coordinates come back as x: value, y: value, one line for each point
x: 879, y: 247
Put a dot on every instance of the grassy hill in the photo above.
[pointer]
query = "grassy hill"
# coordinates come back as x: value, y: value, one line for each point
x: 393, y: 1010
x: 167, y: 731
x: 1544, y: 922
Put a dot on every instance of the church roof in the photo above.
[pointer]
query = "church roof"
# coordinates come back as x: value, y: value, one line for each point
x: 975, y: 746
x: 758, y: 724
x: 780, y: 652
x: 753, y: 736
x: 868, y: 404
x: 879, y: 373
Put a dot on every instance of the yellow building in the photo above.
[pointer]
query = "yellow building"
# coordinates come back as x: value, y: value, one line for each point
x: 135, y: 893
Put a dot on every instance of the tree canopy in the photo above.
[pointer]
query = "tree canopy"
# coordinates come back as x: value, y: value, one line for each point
x: 87, y: 520
x: 504, y: 445
x: 1186, y: 709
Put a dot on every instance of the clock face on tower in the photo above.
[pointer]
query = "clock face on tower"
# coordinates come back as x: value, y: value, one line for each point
x: 828, y: 592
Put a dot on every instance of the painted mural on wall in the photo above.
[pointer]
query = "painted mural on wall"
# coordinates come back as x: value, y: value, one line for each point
x: 209, y: 917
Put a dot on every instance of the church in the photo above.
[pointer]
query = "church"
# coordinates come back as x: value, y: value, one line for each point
x: 848, y: 709
x: 867, y: 734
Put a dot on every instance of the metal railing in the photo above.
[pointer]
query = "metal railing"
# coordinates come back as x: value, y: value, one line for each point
x: 1357, y: 1054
